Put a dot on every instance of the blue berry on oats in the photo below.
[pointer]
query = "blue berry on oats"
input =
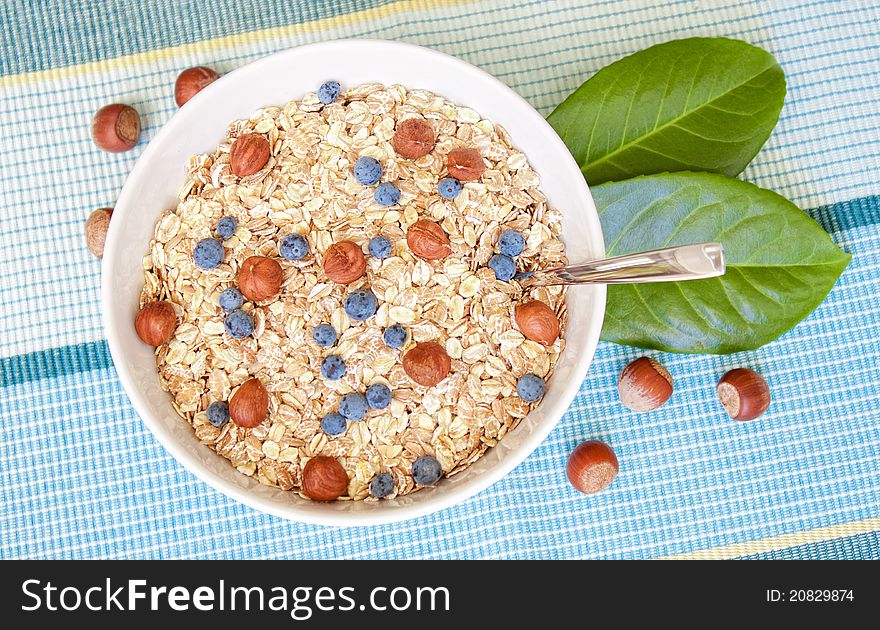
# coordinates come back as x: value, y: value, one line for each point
x: 208, y: 253
x: 333, y: 367
x: 324, y: 335
x: 293, y: 247
x: 239, y: 324
x: 231, y: 299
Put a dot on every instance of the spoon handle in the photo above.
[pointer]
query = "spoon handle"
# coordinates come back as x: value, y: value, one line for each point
x: 686, y: 262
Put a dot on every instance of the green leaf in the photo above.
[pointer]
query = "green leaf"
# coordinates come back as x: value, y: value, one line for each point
x: 686, y: 105
x: 780, y: 263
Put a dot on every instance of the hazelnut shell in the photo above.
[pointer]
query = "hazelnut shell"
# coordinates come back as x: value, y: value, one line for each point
x: 537, y: 322
x: 249, y: 405
x: 465, y: 165
x: 644, y: 385
x: 592, y: 466
x: 192, y: 81
x: 324, y: 479
x: 96, y: 230
x: 427, y: 240
x: 344, y: 262
x: 249, y: 154
x: 413, y: 139
x: 744, y: 394
x: 427, y: 363
x: 259, y: 278
x: 116, y: 127
x: 155, y: 323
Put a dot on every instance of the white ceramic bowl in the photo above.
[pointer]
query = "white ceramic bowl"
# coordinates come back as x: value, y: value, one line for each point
x: 200, y: 125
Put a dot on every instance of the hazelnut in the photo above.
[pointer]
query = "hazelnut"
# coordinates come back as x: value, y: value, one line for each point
x: 96, y: 230
x: 413, y: 139
x: 426, y: 239
x: 116, y: 127
x: 644, y: 385
x: 537, y: 322
x: 344, y: 262
x: 249, y: 405
x: 427, y: 363
x: 743, y: 393
x: 324, y: 479
x: 155, y: 323
x: 259, y: 278
x: 192, y: 81
x: 592, y: 466
x: 465, y: 165
x: 249, y: 154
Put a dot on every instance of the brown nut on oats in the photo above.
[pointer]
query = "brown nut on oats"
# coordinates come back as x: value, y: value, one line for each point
x: 192, y: 81
x: 644, y: 385
x: 537, y: 322
x: 249, y: 405
x: 426, y: 239
x: 465, y: 165
x: 259, y: 278
x: 249, y: 154
x: 155, y: 323
x: 116, y: 127
x: 344, y: 262
x: 96, y: 230
x: 413, y: 139
x: 427, y: 363
x: 324, y: 479
x: 744, y: 394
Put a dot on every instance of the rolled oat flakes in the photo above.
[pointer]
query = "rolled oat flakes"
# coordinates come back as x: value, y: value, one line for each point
x: 307, y: 187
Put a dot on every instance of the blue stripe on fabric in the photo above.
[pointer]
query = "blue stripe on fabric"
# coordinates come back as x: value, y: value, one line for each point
x: 847, y: 215
x: 54, y: 362
x: 95, y: 355
x: 857, y: 547
x: 40, y: 35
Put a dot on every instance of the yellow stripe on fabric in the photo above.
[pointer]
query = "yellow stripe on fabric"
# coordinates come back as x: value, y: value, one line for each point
x: 784, y: 541
x: 161, y: 54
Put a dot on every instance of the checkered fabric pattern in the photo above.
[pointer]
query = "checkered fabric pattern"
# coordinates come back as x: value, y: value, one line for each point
x: 81, y: 476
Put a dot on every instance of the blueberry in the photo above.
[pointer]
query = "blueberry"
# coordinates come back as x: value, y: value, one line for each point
x: 503, y: 266
x: 328, y: 92
x: 333, y: 367
x: 378, y: 396
x: 382, y: 485
x: 530, y: 387
x: 511, y: 243
x: 387, y: 194
x: 449, y: 188
x: 239, y: 324
x: 293, y: 247
x: 361, y: 305
x: 226, y: 227
x: 367, y: 170
x: 231, y: 299
x: 426, y: 470
x: 380, y: 247
x: 353, y: 406
x: 218, y: 413
x: 333, y: 424
x: 324, y: 335
x: 208, y: 253
x: 395, y: 336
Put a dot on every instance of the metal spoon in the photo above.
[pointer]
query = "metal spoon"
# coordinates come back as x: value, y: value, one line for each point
x: 686, y: 262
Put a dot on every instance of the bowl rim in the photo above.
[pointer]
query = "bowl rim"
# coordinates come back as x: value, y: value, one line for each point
x: 291, y: 511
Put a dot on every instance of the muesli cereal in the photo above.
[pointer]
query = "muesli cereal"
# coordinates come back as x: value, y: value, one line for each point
x: 360, y: 279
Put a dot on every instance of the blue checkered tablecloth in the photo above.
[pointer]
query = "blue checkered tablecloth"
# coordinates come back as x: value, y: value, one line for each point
x: 81, y: 476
